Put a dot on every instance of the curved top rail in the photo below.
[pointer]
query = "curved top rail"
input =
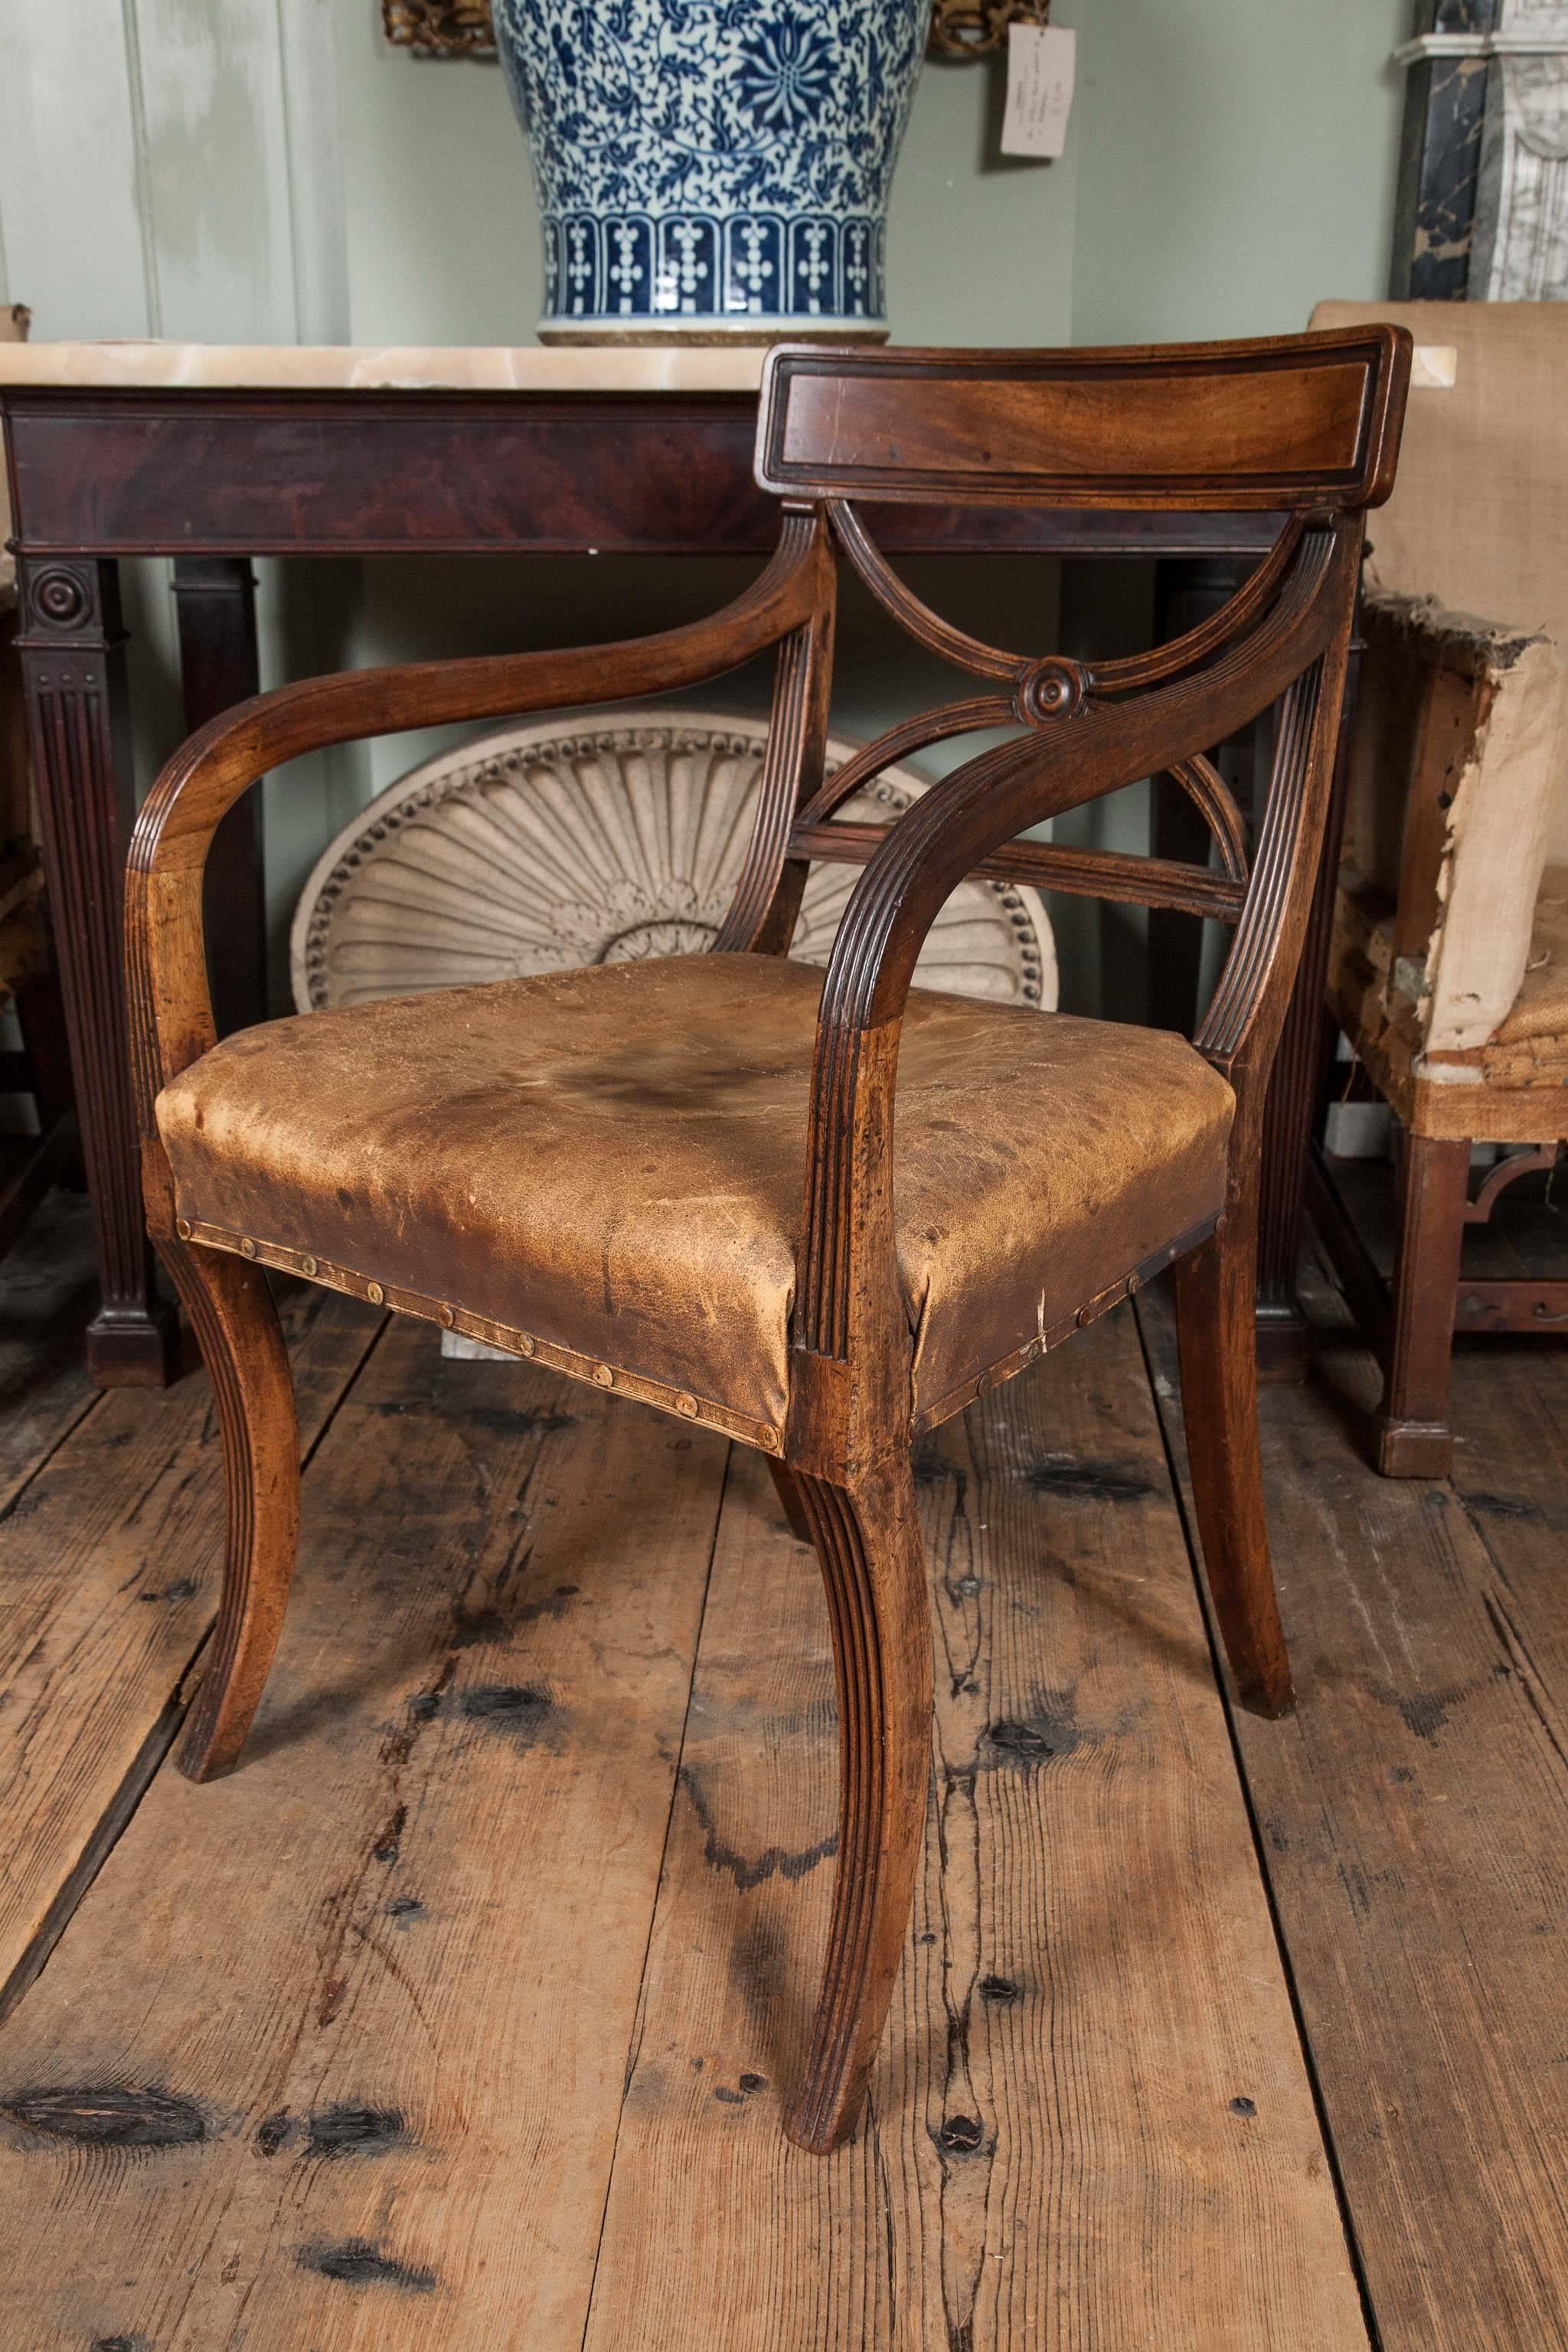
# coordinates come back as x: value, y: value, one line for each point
x: 1295, y: 422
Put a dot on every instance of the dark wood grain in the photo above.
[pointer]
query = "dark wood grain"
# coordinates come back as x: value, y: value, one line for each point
x: 255, y: 473
x: 73, y: 662
x: 1296, y: 423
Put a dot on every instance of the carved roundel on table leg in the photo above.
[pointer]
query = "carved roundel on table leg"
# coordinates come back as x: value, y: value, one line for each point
x: 57, y: 596
x: 541, y: 848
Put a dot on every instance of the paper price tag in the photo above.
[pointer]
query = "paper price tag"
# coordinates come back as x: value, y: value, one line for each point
x: 1041, y: 62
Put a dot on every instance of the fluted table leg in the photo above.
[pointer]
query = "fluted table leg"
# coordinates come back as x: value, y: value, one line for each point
x: 73, y: 667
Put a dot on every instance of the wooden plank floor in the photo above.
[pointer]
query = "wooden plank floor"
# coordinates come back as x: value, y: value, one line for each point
x: 461, y: 2016
x: 1414, y: 1813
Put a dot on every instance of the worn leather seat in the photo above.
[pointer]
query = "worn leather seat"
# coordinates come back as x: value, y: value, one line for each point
x: 611, y: 1162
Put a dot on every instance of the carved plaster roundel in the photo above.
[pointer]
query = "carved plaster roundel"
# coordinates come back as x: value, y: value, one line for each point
x: 541, y: 848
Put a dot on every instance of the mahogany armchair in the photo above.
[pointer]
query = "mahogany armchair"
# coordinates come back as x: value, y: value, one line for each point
x: 817, y: 1213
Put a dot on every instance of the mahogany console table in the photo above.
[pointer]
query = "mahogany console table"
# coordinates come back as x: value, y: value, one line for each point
x: 212, y: 455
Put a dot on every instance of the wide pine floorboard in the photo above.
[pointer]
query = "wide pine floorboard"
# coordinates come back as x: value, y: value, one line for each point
x: 463, y: 2014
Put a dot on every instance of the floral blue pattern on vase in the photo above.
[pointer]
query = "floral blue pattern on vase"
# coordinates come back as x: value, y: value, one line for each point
x: 713, y: 169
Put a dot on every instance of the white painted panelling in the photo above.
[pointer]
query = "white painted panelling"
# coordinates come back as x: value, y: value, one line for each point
x: 216, y: 170
x: 317, y: 227
x: 69, y: 198
x: 174, y: 168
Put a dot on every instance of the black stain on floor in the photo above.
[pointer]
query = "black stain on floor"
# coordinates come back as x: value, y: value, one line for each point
x: 554, y: 1604
x: 759, y: 1969
x: 355, y: 2131
x: 109, y: 2115
x: 999, y: 1991
x: 774, y: 1861
x: 182, y: 1589
x: 1504, y: 1506
x: 489, y: 1623
x: 473, y: 1626
x: 1087, y: 1478
x: 1424, y: 1712
x: 389, y: 1841
x: 357, y: 2261
x: 1048, y: 1728
x: 746, y: 2088
x: 518, y: 1711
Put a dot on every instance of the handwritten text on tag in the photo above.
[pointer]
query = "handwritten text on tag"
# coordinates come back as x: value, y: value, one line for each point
x: 1041, y: 60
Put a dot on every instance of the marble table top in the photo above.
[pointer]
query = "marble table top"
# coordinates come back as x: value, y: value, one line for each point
x: 352, y: 367
x: 333, y: 367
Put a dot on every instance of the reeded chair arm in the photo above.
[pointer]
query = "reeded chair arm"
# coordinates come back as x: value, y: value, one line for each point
x: 847, y: 1278
x: 170, y: 1009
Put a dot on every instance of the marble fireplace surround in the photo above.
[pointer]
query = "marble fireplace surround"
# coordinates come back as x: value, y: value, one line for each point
x: 1519, y: 248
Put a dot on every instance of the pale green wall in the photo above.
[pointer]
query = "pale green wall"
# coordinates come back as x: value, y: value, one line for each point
x: 1236, y: 164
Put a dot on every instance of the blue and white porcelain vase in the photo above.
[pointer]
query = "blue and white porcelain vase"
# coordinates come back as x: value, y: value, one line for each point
x: 712, y: 170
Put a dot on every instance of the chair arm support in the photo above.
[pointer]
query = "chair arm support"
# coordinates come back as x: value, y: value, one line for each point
x: 170, y: 1012
x: 845, y: 1274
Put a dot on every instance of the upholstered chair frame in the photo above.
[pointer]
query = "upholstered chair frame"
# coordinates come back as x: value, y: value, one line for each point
x: 1305, y: 429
